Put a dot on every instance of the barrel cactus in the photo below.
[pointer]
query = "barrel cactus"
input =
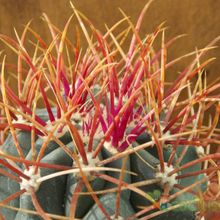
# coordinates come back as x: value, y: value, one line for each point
x: 98, y: 134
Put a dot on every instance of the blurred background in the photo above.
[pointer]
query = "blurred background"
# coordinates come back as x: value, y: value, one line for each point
x: 199, y: 19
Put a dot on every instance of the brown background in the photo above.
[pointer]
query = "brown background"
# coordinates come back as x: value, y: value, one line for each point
x: 199, y: 19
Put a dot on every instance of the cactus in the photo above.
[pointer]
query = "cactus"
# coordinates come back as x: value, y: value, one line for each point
x: 97, y: 133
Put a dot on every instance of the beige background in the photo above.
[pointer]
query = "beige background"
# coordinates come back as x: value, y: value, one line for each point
x: 199, y: 19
